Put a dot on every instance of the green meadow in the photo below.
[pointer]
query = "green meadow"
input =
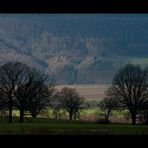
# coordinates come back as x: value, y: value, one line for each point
x: 45, y: 126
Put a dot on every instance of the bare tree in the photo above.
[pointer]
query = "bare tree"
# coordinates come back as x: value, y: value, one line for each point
x: 107, y: 105
x: 20, y: 85
x: 34, y: 94
x: 40, y: 98
x: 10, y: 75
x: 56, y: 105
x: 70, y: 101
x: 130, y: 85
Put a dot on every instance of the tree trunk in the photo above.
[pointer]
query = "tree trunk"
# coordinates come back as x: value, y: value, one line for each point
x: 34, y: 116
x: 10, y: 114
x: 75, y: 117
x: 133, y: 119
x: 70, y: 116
x: 21, y: 115
x: 56, y: 116
x: 34, y: 113
x: 106, y: 118
x: 107, y: 115
x: 10, y: 109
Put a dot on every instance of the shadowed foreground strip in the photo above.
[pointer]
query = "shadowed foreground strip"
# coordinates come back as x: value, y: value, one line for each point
x: 65, y: 127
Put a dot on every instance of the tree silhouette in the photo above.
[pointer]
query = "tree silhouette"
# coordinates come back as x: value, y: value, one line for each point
x: 34, y: 94
x: 56, y: 105
x: 107, y: 105
x: 70, y: 101
x: 25, y: 88
x: 130, y: 86
x: 40, y: 97
x: 10, y: 77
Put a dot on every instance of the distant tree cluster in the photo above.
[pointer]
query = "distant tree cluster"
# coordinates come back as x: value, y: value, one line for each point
x: 29, y: 90
x: 69, y: 100
x: 24, y: 88
x: 130, y: 90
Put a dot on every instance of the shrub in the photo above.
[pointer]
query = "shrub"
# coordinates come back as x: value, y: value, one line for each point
x: 102, y: 121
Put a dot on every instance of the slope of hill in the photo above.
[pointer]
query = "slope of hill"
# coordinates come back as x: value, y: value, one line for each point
x: 75, y: 48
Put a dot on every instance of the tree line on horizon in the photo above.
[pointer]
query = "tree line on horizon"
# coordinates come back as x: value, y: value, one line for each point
x: 28, y: 89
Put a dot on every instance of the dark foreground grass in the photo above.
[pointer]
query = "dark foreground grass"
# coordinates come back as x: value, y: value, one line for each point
x: 44, y: 126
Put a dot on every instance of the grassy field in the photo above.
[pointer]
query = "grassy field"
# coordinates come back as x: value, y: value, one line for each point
x: 46, y: 126
x: 93, y: 114
x: 88, y: 91
x: 90, y: 114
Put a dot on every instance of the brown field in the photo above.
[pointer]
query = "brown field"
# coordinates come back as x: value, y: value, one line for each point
x: 88, y: 91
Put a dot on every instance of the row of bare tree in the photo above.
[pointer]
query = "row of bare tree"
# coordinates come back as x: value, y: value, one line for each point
x: 24, y: 88
x: 28, y: 89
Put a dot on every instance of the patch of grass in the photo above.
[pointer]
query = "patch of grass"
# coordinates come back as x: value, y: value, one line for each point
x: 89, y: 111
x: 64, y: 127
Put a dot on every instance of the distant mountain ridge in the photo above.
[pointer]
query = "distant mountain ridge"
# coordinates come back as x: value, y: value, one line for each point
x: 75, y: 48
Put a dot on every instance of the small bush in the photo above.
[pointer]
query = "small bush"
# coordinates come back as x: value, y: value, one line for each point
x: 102, y: 121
